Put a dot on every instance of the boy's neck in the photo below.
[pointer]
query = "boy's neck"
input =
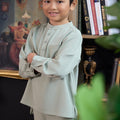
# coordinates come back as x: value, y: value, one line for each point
x: 59, y: 23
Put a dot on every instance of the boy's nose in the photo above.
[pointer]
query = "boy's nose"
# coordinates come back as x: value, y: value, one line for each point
x: 53, y: 5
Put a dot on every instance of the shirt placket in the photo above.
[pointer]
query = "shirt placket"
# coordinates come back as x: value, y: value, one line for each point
x: 45, y: 43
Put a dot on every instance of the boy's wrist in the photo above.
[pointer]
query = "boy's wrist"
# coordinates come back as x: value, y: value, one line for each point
x: 30, y: 57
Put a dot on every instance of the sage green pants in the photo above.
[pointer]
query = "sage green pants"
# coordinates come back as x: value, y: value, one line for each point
x: 39, y: 116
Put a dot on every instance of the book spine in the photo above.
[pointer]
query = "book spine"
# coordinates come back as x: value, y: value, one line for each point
x: 86, y: 17
x: 94, y: 17
x: 99, y: 16
x: 104, y: 17
x: 91, y: 17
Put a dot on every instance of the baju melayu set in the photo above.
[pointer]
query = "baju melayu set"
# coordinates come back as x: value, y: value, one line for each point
x: 53, y: 73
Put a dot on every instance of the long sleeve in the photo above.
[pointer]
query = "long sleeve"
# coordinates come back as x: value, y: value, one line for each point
x: 25, y: 69
x: 66, y: 58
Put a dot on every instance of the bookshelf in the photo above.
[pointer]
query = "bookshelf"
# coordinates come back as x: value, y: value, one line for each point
x: 90, y: 37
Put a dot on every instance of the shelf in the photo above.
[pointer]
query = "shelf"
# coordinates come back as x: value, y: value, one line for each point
x: 90, y: 36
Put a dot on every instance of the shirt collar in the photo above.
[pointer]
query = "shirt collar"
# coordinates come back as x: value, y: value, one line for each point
x: 49, y: 26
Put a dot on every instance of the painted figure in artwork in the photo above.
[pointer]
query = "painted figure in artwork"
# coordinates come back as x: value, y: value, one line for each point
x: 20, y: 32
x: 20, y: 35
x: 21, y: 3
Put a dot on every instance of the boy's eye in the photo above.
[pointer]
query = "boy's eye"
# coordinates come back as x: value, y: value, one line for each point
x: 60, y: 1
x: 46, y: 1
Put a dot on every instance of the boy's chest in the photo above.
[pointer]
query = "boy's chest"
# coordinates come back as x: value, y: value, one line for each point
x: 48, y: 43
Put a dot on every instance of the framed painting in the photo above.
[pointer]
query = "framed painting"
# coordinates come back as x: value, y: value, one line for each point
x: 17, y: 17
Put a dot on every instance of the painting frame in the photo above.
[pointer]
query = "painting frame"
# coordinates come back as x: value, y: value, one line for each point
x: 10, y: 74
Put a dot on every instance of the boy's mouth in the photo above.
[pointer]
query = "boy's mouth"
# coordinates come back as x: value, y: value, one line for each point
x: 53, y: 14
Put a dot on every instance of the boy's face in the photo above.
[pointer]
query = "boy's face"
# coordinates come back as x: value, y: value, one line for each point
x: 57, y: 11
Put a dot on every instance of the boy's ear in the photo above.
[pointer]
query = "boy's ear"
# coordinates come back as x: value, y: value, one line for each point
x: 73, y: 4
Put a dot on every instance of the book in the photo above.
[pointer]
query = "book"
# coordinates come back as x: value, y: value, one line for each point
x: 114, y: 73
x: 90, y: 17
x: 99, y: 16
x: 86, y: 17
x: 94, y: 17
x: 104, y: 17
x: 109, y: 17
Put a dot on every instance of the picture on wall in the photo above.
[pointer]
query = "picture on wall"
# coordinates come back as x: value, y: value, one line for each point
x: 17, y: 18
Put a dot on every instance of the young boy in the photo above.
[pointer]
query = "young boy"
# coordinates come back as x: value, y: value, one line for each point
x: 50, y: 59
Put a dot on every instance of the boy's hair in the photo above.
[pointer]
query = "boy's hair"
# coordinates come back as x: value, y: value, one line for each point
x: 71, y: 1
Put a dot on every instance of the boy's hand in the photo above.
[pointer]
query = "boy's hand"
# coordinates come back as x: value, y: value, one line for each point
x: 30, y: 57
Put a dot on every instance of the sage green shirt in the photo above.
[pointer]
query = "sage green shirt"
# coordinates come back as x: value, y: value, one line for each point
x: 58, y: 50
